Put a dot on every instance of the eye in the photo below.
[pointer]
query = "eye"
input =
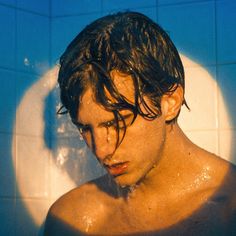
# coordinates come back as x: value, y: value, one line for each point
x: 113, y: 124
x: 110, y: 124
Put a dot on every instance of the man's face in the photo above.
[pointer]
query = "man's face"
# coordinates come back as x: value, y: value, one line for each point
x: 141, y: 147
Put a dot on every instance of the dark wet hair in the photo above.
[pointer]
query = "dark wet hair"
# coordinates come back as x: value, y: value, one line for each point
x: 131, y: 43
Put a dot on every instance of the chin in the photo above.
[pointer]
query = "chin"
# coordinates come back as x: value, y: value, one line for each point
x: 126, y: 180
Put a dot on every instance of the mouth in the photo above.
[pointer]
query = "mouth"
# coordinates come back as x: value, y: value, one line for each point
x: 117, y: 169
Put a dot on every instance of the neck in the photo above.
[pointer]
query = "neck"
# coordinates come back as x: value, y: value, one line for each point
x: 177, y: 153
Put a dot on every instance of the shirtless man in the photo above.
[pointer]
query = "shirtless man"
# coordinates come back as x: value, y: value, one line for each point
x: 122, y: 82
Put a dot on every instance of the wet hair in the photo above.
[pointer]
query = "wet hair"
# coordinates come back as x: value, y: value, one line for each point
x: 130, y: 43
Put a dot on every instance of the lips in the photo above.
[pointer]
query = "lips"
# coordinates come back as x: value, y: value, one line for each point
x: 117, y: 169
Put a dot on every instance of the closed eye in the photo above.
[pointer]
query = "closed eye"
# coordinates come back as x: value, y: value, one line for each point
x: 122, y: 123
x: 108, y: 124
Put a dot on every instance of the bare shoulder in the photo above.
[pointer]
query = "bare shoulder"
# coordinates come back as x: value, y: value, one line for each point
x: 81, y: 210
x: 223, y: 199
x: 222, y: 173
x: 219, y: 169
x: 227, y: 187
x: 213, y: 205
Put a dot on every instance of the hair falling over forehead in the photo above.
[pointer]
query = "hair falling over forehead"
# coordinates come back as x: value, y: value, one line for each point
x: 132, y: 44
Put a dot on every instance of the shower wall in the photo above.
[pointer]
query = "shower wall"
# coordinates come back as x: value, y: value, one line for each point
x: 35, y: 143
x: 24, y: 57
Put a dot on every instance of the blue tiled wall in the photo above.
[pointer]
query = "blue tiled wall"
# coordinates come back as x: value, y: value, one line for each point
x: 191, y: 28
x: 33, y: 36
x: 24, y: 57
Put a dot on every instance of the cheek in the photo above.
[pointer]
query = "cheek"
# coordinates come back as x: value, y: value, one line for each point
x: 146, y: 137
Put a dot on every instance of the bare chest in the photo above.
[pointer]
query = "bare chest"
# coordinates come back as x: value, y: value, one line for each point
x: 164, y: 217
x: 134, y: 217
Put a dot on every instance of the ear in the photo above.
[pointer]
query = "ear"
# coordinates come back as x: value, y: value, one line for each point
x: 171, y: 104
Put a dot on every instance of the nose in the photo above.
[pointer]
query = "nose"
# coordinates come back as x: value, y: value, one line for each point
x: 103, y: 145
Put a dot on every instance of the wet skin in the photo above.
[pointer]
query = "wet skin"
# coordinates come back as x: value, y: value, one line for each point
x: 133, y: 151
x: 174, y: 183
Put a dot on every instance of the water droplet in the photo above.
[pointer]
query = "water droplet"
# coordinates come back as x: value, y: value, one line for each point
x: 61, y: 129
x: 108, y: 135
x: 81, y: 137
x: 62, y: 156
x: 88, y: 222
x: 26, y: 61
x: 132, y: 188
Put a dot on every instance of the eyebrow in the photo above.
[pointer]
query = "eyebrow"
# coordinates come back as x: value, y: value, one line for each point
x: 102, y: 124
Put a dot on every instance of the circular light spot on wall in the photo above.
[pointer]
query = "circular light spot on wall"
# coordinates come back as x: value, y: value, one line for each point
x: 50, y: 157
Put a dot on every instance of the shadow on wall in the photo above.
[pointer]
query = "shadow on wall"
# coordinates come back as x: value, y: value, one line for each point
x: 69, y: 151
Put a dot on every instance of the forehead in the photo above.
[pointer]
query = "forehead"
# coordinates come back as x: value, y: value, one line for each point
x: 88, y: 107
x: 123, y: 83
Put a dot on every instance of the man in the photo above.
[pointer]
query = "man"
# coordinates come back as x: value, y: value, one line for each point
x: 122, y: 82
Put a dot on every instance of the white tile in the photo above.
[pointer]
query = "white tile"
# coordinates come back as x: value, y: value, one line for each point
x: 33, y: 108
x: 201, y: 96
x: 32, y: 167
x: 227, y: 107
x: 207, y: 139
x: 72, y: 164
x: 30, y: 215
x: 227, y: 148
